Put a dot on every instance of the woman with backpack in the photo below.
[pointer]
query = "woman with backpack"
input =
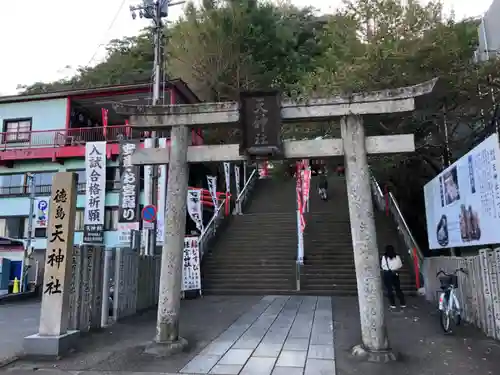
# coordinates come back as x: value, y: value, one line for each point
x: 391, y: 263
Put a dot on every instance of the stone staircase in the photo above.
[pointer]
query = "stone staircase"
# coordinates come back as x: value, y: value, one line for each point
x: 329, y: 260
x: 256, y: 253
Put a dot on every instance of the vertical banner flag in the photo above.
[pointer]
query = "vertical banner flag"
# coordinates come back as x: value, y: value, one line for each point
x: 191, y: 275
x: 162, y: 196
x: 95, y: 172
x: 194, y: 207
x: 104, y: 114
x: 148, y: 188
x: 300, y: 203
x: 41, y: 212
x: 237, y: 179
x: 227, y: 174
x: 212, y: 188
x: 128, y: 203
x: 306, y: 186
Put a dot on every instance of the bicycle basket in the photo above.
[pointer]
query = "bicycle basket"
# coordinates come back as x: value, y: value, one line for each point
x: 447, y: 281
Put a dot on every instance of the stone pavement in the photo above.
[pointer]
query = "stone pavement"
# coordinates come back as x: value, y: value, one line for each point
x: 17, y: 320
x: 276, y: 335
x: 279, y: 335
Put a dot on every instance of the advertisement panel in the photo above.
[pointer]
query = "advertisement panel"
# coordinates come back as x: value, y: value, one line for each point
x: 462, y: 203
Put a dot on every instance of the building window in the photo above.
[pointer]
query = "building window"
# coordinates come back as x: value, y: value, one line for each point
x: 40, y: 232
x: 13, y: 227
x: 11, y: 184
x: 79, y: 218
x: 17, y: 130
x: 43, y: 182
x: 111, y: 218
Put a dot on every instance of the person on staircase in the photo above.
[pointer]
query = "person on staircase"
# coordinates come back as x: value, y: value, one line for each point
x: 391, y: 264
x: 323, y: 186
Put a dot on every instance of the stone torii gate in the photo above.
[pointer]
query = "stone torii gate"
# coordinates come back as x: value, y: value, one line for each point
x: 265, y: 142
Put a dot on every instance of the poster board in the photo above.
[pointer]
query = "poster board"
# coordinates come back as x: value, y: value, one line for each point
x: 462, y: 203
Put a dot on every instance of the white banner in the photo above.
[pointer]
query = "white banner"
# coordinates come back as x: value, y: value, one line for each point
x: 148, y: 186
x: 237, y: 179
x: 191, y: 275
x: 462, y: 203
x: 95, y: 174
x: 162, y: 197
x: 41, y: 212
x: 227, y: 174
x: 212, y: 188
x: 194, y: 207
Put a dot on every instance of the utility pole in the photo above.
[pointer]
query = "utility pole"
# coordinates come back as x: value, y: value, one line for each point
x: 31, y: 184
x: 155, y: 11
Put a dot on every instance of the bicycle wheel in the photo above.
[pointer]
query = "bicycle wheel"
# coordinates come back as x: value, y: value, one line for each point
x: 445, y: 320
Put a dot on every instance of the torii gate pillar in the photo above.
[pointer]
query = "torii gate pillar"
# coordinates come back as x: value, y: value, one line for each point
x: 364, y: 241
x: 353, y: 145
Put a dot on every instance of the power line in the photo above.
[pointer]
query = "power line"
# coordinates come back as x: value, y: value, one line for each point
x: 107, y: 31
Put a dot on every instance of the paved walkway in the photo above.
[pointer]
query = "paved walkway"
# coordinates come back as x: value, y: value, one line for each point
x: 17, y: 320
x: 279, y: 336
x: 276, y: 335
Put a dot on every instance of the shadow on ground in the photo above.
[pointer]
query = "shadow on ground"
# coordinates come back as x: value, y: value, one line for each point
x: 416, y: 333
x: 120, y: 348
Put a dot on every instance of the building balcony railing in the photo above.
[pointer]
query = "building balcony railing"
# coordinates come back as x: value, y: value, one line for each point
x: 40, y: 190
x: 63, y: 137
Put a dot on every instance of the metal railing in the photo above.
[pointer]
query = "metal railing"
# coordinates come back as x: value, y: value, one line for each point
x: 24, y: 190
x: 62, y: 137
x: 221, y: 211
x: 210, y: 229
x: 388, y: 202
x: 244, y: 194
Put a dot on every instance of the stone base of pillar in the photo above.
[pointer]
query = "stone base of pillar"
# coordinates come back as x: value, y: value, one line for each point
x: 166, y: 349
x: 377, y: 356
x: 50, y: 346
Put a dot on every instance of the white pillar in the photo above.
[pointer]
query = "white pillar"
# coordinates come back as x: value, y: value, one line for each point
x: 364, y: 237
x: 167, y: 325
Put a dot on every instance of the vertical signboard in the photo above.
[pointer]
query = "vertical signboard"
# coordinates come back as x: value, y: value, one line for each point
x: 54, y: 316
x: 41, y: 212
x: 191, y: 275
x: 212, y: 189
x: 148, y: 188
x: 95, y: 171
x: 194, y: 207
x: 162, y: 195
x: 128, y: 204
x: 260, y: 114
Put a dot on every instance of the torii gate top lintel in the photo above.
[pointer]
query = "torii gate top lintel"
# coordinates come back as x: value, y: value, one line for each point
x: 375, y: 102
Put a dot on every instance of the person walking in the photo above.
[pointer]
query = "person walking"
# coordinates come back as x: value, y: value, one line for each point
x: 391, y: 263
x: 323, y: 186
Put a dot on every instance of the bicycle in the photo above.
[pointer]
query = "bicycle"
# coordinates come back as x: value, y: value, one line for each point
x: 449, y: 305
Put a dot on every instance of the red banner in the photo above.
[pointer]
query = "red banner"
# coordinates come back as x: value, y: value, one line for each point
x: 104, y: 113
x: 300, y: 201
x: 306, y: 185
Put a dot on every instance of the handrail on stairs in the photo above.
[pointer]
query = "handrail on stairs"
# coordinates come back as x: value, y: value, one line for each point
x: 210, y: 229
x: 243, y: 195
x: 219, y: 215
x: 413, y: 249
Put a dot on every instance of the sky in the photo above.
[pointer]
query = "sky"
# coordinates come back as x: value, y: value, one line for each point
x: 46, y: 40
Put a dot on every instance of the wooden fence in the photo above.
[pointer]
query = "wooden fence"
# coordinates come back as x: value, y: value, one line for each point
x: 478, y: 291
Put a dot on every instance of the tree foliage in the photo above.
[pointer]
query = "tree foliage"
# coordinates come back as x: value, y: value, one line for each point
x: 222, y: 47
